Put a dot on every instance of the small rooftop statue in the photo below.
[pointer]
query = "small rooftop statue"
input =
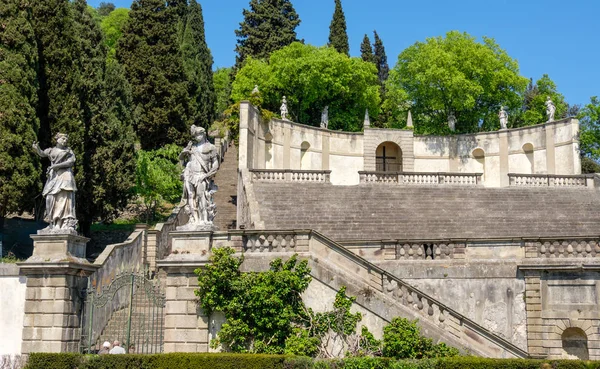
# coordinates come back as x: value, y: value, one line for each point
x: 503, y: 116
x: 550, y: 109
x: 201, y: 164
x: 325, y: 117
x: 452, y: 121
x: 60, y: 188
x: 284, y: 109
x: 255, y: 90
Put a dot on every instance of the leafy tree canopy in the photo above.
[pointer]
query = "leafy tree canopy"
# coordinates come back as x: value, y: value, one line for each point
x: 268, y: 25
x: 312, y: 78
x: 456, y: 74
x: 222, y: 85
x: 402, y: 340
x: 589, y: 137
x: 112, y: 27
x: 534, y: 105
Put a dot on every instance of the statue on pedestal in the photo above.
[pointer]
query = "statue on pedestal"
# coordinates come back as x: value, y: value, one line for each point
x: 60, y: 188
x: 550, y: 109
x: 325, y: 117
x: 452, y: 121
x: 503, y: 116
x: 284, y: 109
x: 201, y: 162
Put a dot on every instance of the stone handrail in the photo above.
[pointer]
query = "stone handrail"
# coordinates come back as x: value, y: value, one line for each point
x: 421, y: 178
x: 551, y: 180
x: 434, y: 315
x: 290, y: 175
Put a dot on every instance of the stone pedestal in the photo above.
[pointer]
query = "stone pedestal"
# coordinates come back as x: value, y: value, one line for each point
x: 58, y: 247
x: 56, y: 278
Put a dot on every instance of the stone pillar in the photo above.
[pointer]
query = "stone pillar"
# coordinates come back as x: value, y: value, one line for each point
x: 325, y: 151
x: 287, y: 140
x: 243, y: 137
x: 56, y: 277
x: 503, y: 152
x: 533, y: 305
x: 550, y: 155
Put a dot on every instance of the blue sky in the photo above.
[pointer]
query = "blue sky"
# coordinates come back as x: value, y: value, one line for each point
x: 560, y: 38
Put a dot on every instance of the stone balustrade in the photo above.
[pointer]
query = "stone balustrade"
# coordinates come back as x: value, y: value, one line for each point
x: 421, y: 178
x: 551, y: 180
x: 290, y: 175
x: 583, y: 247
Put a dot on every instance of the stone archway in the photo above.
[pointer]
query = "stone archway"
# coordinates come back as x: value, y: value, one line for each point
x: 575, y: 343
x: 388, y: 157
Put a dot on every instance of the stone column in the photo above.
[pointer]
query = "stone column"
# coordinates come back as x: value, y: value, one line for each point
x: 243, y: 135
x: 550, y: 155
x: 56, y: 277
x: 503, y: 152
x: 533, y: 305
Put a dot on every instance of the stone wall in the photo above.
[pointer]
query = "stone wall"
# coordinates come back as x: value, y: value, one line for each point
x: 12, y: 309
x: 549, y: 148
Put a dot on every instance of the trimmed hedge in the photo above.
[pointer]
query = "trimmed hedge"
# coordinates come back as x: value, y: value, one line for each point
x: 251, y: 361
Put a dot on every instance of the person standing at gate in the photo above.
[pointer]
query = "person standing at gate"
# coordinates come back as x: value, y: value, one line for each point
x: 117, y: 349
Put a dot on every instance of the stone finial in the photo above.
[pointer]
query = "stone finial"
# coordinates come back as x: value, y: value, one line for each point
x: 503, y: 116
x: 550, y: 109
x: 255, y: 90
x: 409, y: 122
x: 367, y: 121
x: 60, y: 187
x: 452, y: 121
x: 284, y: 109
x: 325, y: 117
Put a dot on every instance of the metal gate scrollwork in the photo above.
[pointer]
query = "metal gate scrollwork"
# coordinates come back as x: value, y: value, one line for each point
x: 130, y: 309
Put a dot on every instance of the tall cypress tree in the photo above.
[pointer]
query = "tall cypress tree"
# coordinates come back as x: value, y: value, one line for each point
x: 150, y: 55
x: 58, y: 102
x: 383, y: 68
x: 19, y: 168
x: 197, y: 62
x: 366, y: 52
x: 269, y: 25
x: 338, y: 38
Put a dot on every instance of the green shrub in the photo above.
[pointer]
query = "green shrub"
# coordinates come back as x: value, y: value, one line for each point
x: 54, y: 361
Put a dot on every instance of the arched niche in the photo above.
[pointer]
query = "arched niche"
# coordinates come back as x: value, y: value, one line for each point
x: 575, y: 343
x: 304, y: 157
x: 479, y: 156
x: 388, y: 157
x: 528, y: 150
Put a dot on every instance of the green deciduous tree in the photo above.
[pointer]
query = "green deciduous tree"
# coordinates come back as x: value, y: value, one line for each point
x: 534, y: 102
x: 312, y: 78
x: 197, y: 62
x: 366, y: 51
x: 589, y: 136
x: 456, y: 74
x: 268, y: 25
x: 112, y: 27
x: 19, y: 168
x: 157, y: 178
x: 222, y: 85
x: 338, y: 38
x: 150, y: 55
x: 402, y: 340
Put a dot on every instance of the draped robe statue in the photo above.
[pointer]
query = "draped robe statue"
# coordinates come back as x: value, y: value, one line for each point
x: 60, y: 188
x: 201, y: 164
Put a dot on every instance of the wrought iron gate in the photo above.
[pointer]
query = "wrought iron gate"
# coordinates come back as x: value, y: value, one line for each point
x: 130, y: 309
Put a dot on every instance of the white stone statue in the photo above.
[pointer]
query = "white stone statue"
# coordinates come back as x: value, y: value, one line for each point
x: 325, y: 118
x: 550, y: 109
x: 284, y: 109
x: 60, y: 188
x: 201, y: 164
x: 503, y: 116
x: 452, y: 121
x: 255, y: 90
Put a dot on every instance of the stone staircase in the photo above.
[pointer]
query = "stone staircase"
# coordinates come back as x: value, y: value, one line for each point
x: 225, y: 198
x: 376, y: 212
